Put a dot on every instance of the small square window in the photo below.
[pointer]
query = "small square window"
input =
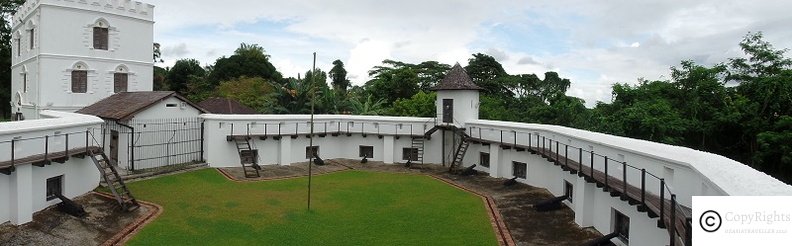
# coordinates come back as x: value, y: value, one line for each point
x: 568, y: 190
x: 484, y: 159
x: 410, y: 154
x: 311, y: 151
x: 519, y: 169
x: 367, y: 151
x: 621, y: 225
x: 54, y: 186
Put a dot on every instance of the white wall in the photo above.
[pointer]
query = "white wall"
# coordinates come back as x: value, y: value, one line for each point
x: 162, y: 111
x: 592, y: 206
x: 221, y: 153
x: 64, y: 36
x: 466, y: 105
x: 23, y: 192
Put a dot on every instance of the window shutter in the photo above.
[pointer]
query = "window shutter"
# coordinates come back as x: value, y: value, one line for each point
x: 100, y: 38
x: 79, y: 81
x: 121, y: 82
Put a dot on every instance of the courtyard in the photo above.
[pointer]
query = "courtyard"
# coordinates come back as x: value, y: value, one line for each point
x: 352, y: 204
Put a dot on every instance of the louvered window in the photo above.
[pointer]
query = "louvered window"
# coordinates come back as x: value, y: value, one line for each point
x: 79, y: 81
x: 100, y: 38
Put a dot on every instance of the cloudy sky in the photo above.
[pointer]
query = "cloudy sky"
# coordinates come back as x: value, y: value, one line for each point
x: 594, y: 43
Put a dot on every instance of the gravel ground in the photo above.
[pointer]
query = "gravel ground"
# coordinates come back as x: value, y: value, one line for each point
x: 52, y: 227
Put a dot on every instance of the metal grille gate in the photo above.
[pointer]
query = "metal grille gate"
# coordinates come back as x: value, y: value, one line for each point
x: 153, y: 144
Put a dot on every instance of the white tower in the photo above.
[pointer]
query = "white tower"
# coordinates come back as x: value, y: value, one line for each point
x: 457, y: 98
x: 68, y: 54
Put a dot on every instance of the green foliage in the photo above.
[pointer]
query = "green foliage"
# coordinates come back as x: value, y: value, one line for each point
x: 7, y: 10
x: 429, y: 72
x: 392, y: 84
x: 485, y: 71
x: 255, y: 93
x: 248, y: 60
x: 160, y: 82
x: 775, y: 148
x: 367, y: 106
x: 348, y: 208
x: 338, y: 76
x: 419, y: 105
x: 183, y: 74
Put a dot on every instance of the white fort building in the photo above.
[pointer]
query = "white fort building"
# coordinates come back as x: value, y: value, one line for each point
x: 82, y: 81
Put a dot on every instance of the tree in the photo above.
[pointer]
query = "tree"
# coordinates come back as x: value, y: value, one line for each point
x: 255, y: 93
x: 368, y: 106
x: 338, y: 77
x: 248, y: 60
x: 160, y: 82
x: 157, y: 53
x: 7, y: 10
x: 484, y: 70
x: 429, y: 72
x: 419, y: 105
x: 183, y: 73
x: 775, y: 149
x: 393, y: 84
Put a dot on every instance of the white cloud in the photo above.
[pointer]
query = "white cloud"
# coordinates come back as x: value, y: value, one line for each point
x: 603, y: 42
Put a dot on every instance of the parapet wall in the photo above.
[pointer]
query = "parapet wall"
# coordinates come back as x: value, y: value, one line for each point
x: 128, y: 8
x: 23, y: 189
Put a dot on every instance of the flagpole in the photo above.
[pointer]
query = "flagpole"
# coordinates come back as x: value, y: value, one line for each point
x: 311, y: 158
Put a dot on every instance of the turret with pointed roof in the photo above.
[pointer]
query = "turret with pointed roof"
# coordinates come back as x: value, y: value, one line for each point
x: 456, y: 79
x: 457, y: 98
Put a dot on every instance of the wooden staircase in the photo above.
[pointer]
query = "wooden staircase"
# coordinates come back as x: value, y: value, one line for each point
x: 113, y: 180
x: 248, y: 157
x: 459, y: 155
x: 418, y: 145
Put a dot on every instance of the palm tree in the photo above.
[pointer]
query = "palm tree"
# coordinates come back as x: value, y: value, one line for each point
x: 367, y: 107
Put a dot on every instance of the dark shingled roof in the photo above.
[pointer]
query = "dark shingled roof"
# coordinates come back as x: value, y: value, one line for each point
x: 123, y: 106
x: 456, y: 79
x: 225, y: 106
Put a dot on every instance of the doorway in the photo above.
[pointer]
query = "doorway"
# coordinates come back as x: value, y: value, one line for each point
x: 114, y: 147
x: 448, y: 110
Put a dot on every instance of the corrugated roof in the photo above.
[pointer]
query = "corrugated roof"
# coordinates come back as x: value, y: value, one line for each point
x: 219, y: 105
x: 456, y: 79
x: 124, y: 105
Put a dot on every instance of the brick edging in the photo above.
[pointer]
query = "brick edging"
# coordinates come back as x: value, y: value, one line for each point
x: 121, y: 238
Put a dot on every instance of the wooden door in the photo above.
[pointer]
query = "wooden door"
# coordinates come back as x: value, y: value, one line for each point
x: 114, y: 147
x: 448, y: 110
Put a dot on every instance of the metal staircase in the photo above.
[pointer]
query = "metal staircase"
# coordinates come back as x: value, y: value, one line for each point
x: 248, y: 157
x: 113, y: 180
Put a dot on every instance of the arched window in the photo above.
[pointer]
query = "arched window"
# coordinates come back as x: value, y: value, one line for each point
x: 101, y: 35
x: 31, y: 26
x: 18, y: 42
x: 79, y: 78
x: 121, y: 79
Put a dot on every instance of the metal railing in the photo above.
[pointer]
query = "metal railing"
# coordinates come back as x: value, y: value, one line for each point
x: 635, y: 184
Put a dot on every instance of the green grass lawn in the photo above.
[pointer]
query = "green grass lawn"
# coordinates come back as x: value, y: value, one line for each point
x: 348, y: 208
